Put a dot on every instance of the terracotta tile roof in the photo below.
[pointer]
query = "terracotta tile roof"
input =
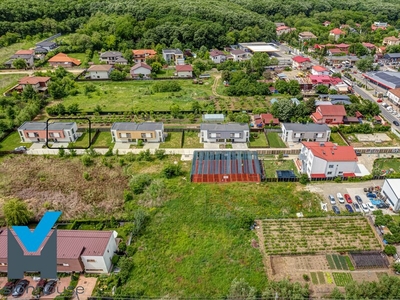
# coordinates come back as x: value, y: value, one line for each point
x: 343, y: 45
x: 330, y: 152
x: 368, y: 45
x: 148, y: 52
x: 70, y: 243
x: 395, y: 92
x: 33, y: 80
x: 100, y: 68
x: 237, y: 52
x: 216, y: 53
x: 336, y: 31
x: 335, y: 50
x: 307, y: 34
x: 319, y: 68
x: 62, y: 57
x: 391, y: 38
x: 300, y: 59
x: 282, y: 28
x: 25, y: 52
x: 141, y: 65
x: 267, y: 118
x: 332, y: 110
x: 184, y: 68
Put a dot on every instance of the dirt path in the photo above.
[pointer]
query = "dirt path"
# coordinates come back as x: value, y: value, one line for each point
x: 215, y: 85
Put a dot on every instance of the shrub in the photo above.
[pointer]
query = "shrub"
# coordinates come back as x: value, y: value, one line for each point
x: 172, y: 171
x: 164, y: 86
x: 139, y: 182
x: 160, y: 154
x: 86, y: 176
x: 304, y: 179
x: 128, y: 196
x: 390, y: 250
x: 140, y: 143
x: 87, y: 160
x: 109, y: 152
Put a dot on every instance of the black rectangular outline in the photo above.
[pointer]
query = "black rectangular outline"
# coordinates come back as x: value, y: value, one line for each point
x: 47, y: 133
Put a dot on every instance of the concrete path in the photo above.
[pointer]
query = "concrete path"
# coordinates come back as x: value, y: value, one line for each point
x: 239, y: 146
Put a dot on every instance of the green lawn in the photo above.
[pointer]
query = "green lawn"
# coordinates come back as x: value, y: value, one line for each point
x: 192, y: 140
x: 80, y: 56
x: 12, y: 141
x: 96, y: 58
x: 8, y: 81
x: 275, y: 141
x: 166, y: 73
x: 7, y: 52
x: 336, y: 138
x: 387, y: 164
x: 271, y: 166
x: 103, y: 139
x: 137, y: 95
x: 83, y: 141
x: 173, y: 140
x: 258, y: 140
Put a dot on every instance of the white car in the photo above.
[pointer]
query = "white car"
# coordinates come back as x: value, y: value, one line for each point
x: 340, y: 198
x: 371, y: 206
x: 332, y: 199
x: 364, y: 207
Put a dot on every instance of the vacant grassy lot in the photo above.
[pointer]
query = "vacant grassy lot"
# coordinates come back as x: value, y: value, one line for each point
x: 12, y: 141
x: 271, y: 166
x: 191, y: 140
x: 336, y: 138
x: 7, y: 52
x: 137, y: 95
x: 83, y: 141
x: 318, y: 236
x: 103, y: 139
x: 275, y: 140
x: 8, y: 81
x: 258, y: 140
x: 173, y: 140
x: 387, y: 164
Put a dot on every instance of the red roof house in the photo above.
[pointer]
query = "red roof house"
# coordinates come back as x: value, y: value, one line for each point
x: 329, y: 114
x: 336, y: 33
x: 301, y: 63
x: 184, y: 70
x: 269, y: 119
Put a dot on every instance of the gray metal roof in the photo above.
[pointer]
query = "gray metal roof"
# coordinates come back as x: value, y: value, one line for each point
x: 341, y: 101
x: 42, y: 126
x: 309, y: 127
x: 392, y: 55
x: 230, y: 127
x: 337, y: 97
x: 213, y: 116
x: 389, y: 79
x: 130, y: 126
x: 172, y: 51
x: 61, y: 125
x: 46, y: 44
x: 110, y: 54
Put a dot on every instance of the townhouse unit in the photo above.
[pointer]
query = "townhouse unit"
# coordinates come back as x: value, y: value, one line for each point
x: 173, y: 56
x: 35, y: 132
x: 113, y: 58
x: 140, y: 56
x: 310, y: 132
x: 100, y: 71
x: 88, y: 251
x: 217, y: 56
x: 129, y: 132
x: 324, y: 160
x: 38, y: 83
x: 224, y: 133
x: 329, y: 114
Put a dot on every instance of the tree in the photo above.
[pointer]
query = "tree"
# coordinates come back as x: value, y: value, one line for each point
x: 196, y: 107
x: 241, y: 290
x: 293, y: 87
x: 73, y: 109
x: 156, y: 67
x: 321, y: 89
x: 396, y: 267
x: 285, y: 290
x: 16, y: 212
x: 117, y: 75
x: 175, y: 110
x: 29, y: 93
x: 56, y: 90
x: 19, y: 63
x: 390, y: 250
x: 283, y: 110
x: 281, y: 86
x: 226, y: 75
x: 365, y: 64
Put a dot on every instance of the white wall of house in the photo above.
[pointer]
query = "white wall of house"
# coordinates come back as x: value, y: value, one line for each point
x: 318, y: 73
x: 141, y: 70
x: 388, y: 191
x: 393, y: 98
x: 294, y: 136
x: 185, y: 74
x: 238, y: 137
x: 99, y: 74
x: 218, y: 59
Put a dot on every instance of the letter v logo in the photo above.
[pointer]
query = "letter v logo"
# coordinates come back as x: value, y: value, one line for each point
x: 33, y: 239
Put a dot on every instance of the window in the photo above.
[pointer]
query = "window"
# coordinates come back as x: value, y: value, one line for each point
x: 56, y: 134
x: 91, y: 260
x: 331, y: 166
x: 72, y: 130
x: 31, y: 134
x: 329, y: 173
x: 149, y: 135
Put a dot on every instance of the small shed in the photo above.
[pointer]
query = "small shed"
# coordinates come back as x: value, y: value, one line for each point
x: 213, y: 118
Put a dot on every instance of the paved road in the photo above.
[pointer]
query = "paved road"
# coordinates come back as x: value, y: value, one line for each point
x: 7, y: 72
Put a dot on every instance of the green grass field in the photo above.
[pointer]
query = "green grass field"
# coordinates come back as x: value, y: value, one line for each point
x: 336, y: 138
x: 83, y: 141
x: 275, y: 141
x: 387, y: 164
x: 137, y: 95
x: 173, y: 140
x: 12, y: 141
x: 103, y: 139
x: 271, y: 166
x: 8, y: 81
x: 258, y: 140
x: 192, y: 140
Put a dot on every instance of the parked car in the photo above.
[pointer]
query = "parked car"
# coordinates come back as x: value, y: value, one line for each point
x: 356, y: 207
x: 358, y: 199
x: 358, y: 153
x: 336, y: 210
x: 379, y: 100
x: 371, y: 207
x: 365, y: 207
x: 383, y: 205
x: 348, y: 198
x: 20, y: 149
x: 371, y: 195
x: 50, y: 286
x: 349, y: 208
x: 19, y: 288
x: 332, y: 199
x: 340, y: 198
x: 396, y: 123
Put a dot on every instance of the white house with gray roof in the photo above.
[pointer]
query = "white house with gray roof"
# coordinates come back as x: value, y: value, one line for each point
x: 113, y: 57
x: 129, y: 132
x: 310, y: 132
x: 224, y: 133
x: 173, y: 55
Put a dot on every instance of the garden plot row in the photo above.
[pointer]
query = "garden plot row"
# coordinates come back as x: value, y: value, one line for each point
x: 321, y: 235
x: 340, y: 262
x: 339, y: 279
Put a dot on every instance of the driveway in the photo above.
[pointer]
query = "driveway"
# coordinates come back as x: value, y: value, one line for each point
x: 122, y: 146
x: 151, y: 146
x: 85, y: 287
x: 36, y: 146
x: 211, y: 146
x: 239, y: 146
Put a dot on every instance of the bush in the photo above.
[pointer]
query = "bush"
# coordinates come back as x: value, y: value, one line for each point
x: 304, y: 179
x: 87, y: 160
x: 127, y: 196
x: 109, y: 152
x: 172, y: 171
x: 164, y: 87
x: 139, y: 182
x: 86, y: 176
x: 306, y: 277
x: 390, y: 250
x: 140, y: 143
x: 160, y: 154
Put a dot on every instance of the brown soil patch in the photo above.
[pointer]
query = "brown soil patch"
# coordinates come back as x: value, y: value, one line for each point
x: 54, y: 183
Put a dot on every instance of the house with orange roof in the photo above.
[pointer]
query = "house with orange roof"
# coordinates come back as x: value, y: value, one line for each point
x: 39, y: 84
x: 336, y: 33
x: 27, y: 55
x: 63, y: 60
x: 369, y: 46
x: 327, y: 160
x: 140, y: 55
x: 320, y: 71
x: 391, y: 41
x: 329, y: 114
x: 283, y: 29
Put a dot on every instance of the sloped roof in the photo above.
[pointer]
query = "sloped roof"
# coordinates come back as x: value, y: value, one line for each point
x: 395, y: 92
x: 216, y: 53
x: 319, y: 69
x: 148, y: 52
x: 130, y: 126
x: 99, y: 68
x: 110, y: 54
x: 62, y: 57
x: 225, y: 127
x: 336, y: 31
x: 282, y: 28
x: 184, y: 68
x: 237, y: 52
x: 25, y: 52
x: 309, y: 127
x: 33, y: 80
x: 300, y: 59
x: 332, y: 110
x: 141, y: 65
x: 330, y: 152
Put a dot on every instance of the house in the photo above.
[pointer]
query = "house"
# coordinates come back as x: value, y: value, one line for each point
x: 279, y: 24
x: 379, y: 25
x: 78, y: 251
x: 324, y: 80
x: 39, y: 84
x: 306, y: 35
x: 184, y: 70
x: 47, y: 45
x: 268, y: 120
x: 344, y: 47
x: 319, y: 70
x: 239, y: 55
x: 283, y: 29
x: 339, y: 99
x: 336, y: 60
x: 141, y: 69
x: 326, y: 23
x: 329, y: 114
x: 336, y: 33
x: 217, y: 56
x: 223, y: 133
x: 113, y: 57
x: 391, y: 190
x: 173, y: 55
x: 391, y: 41
x: 394, y: 95
x: 341, y: 88
x: 63, y: 60
x: 392, y: 57
x: 100, y: 71
x: 27, y: 55
x: 335, y: 51
x: 129, y: 132
x: 369, y: 46
x: 34, y: 132
x: 301, y: 63
x: 297, y: 132
x: 326, y: 160
x: 140, y: 56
